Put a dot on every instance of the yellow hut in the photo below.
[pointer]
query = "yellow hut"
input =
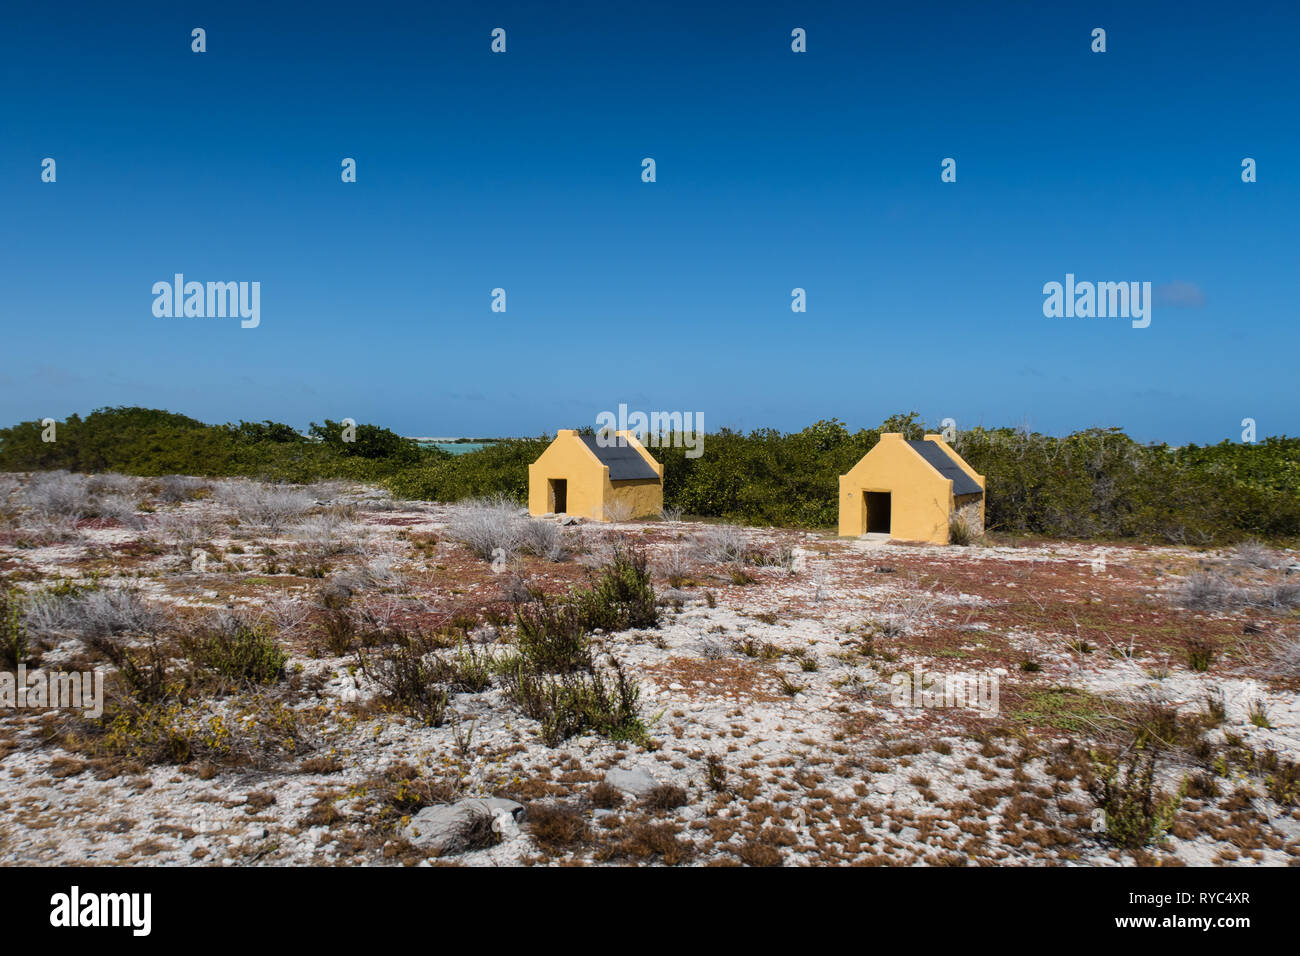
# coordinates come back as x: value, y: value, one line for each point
x: 910, y: 490
x: 603, y: 478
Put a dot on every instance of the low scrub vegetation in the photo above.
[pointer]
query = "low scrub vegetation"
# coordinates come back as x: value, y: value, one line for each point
x: 553, y: 673
x: 1285, y: 661
x: 566, y: 705
x: 621, y: 598
x: 959, y: 532
x: 1204, y: 590
x: 238, y: 651
x: 263, y: 507
x: 92, y: 613
x: 1136, y: 812
x: 211, y: 694
x: 13, y: 629
x: 1142, y: 742
x: 489, y: 527
x: 557, y: 677
x: 494, y: 529
x: 411, y: 676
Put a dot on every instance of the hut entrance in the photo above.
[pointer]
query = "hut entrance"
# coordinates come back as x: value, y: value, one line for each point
x: 559, y: 495
x: 876, y: 506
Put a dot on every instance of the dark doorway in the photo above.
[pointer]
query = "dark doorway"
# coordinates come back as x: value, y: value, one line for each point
x: 559, y: 495
x: 877, y: 505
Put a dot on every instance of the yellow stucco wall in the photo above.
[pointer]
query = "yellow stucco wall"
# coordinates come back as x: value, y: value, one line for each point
x: 643, y: 499
x: 921, y: 499
x: 590, y: 491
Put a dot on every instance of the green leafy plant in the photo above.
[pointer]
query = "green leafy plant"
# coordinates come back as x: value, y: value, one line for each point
x: 238, y: 651
x: 13, y: 630
x: 1136, y: 813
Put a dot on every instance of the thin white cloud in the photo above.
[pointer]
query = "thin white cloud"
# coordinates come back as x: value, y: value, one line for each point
x: 1180, y: 294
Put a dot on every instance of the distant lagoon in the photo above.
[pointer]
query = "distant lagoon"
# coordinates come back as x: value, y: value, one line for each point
x: 455, y: 447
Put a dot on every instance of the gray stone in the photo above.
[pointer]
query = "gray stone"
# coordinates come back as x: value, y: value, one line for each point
x: 570, y: 519
x: 433, y: 827
x: 637, y: 780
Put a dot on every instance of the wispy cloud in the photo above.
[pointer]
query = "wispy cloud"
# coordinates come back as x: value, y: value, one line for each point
x: 57, y: 376
x: 1180, y: 294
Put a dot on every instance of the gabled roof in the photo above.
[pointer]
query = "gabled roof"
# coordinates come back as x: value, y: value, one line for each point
x: 625, y: 462
x: 946, y: 465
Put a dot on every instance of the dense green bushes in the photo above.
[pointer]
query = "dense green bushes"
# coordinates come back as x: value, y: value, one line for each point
x: 144, y: 441
x: 494, y: 469
x: 1093, y: 483
x: 1101, y: 483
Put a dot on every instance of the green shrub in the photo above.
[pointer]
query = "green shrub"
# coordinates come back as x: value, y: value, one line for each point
x: 554, y: 678
x: 1200, y: 653
x: 1124, y: 783
x: 552, y: 639
x: 468, y: 669
x: 239, y: 652
x: 368, y: 441
x: 622, y: 596
x: 260, y: 733
x: 567, y: 705
x: 1136, y: 813
x: 147, y: 673
x: 146, y: 441
x: 13, y: 632
x: 410, y: 676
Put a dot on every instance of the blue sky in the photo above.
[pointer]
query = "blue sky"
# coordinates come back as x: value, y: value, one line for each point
x: 776, y: 170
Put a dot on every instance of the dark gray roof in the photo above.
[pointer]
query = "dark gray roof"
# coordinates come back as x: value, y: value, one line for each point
x: 944, y: 464
x: 625, y: 462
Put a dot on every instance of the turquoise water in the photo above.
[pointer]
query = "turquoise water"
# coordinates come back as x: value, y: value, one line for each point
x: 456, y: 448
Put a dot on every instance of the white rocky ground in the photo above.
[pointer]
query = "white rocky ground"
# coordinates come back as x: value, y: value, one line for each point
x: 766, y: 689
